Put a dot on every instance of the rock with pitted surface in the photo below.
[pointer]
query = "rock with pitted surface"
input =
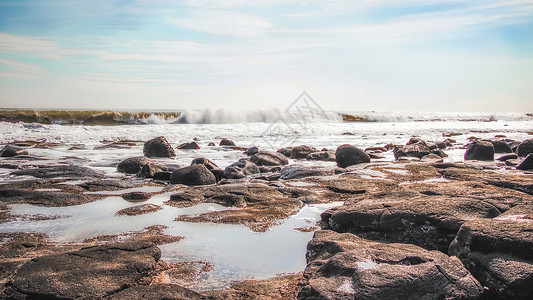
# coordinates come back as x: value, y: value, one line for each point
x: 90, y: 273
x: 240, y: 169
x: 158, y: 147
x: 480, y: 150
x: 301, y: 151
x: 136, y: 196
x: 266, y: 158
x: 193, y: 175
x: 10, y: 151
x: 525, y: 148
x: 348, y: 155
x: 344, y: 266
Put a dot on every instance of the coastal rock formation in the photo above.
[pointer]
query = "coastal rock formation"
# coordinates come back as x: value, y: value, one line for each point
x: 266, y: 158
x: 301, y: 151
x: 344, y: 266
x: 348, y: 155
x: 226, y: 142
x: 211, y: 166
x: 321, y: 155
x: 189, y: 146
x: 10, y: 151
x: 65, y: 171
x: 294, y: 172
x: 525, y: 148
x: 480, y: 150
x: 157, y: 291
x: 150, y: 169
x: 500, y: 146
x: 193, y: 175
x: 133, y: 165
x: 527, y: 163
x: 240, y: 169
x: 251, y: 151
x: 136, y: 196
x: 139, y: 210
x: 158, y: 147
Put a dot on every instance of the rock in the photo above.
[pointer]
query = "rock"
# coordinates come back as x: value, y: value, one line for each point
x: 251, y: 151
x: 66, y: 171
x: 133, y: 165
x: 139, y: 210
x: 480, y: 150
x: 211, y: 166
x: 265, y: 158
x: 240, y: 169
x: 106, y: 185
x: 211, y: 144
x: 294, y: 172
x: 417, y: 150
x: 430, y: 222
x: 344, y: 266
x: 158, y: 147
x: 348, y: 155
x: 286, y: 151
x: 434, y: 158
x: 149, y: 169
x: 527, y: 163
x: 498, y: 253
x: 163, y: 176
x: 136, y: 196
x: 301, y: 151
x: 226, y: 142
x: 501, y: 146
x: 189, y: 146
x: 416, y: 140
x: 525, y: 148
x: 193, y: 175
x: 10, y: 151
x: 157, y: 291
x: 90, y: 273
x: 269, y: 169
x: 321, y: 155
x: 506, y: 157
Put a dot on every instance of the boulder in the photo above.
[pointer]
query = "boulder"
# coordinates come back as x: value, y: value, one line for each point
x: 193, y: 175
x: 211, y: 166
x: 265, y: 158
x: 10, y: 151
x: 301, y: 151
x: 158, y: 147
x: 527, y: 163
x: 294, y: 172
x: 321, y: 155
x: 164, y: 176
x: 500, y: 146
x: 240, y: 169
x: 226, y: 142
x: 286, y: 151
x: 133, y: 165
x: 348, y: 155
x: 251, y: 151
x: 498, y: 252
x: 525, y: 148
x: 416, y: 140
x: 189, y: 146
x: 480, y: 150
x: 344, y: 266
x: 149, y: 169
x: 90, y: 273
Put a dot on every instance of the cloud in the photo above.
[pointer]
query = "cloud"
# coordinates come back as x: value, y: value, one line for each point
x: 15, y: 43
x: 21, y: 70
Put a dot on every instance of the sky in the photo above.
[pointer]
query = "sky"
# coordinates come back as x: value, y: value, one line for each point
x: 381, y: 55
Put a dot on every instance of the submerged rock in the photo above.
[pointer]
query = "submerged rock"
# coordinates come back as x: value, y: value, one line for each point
x: 158, y: 147
x: 193, y: 175
x: 348, y: 155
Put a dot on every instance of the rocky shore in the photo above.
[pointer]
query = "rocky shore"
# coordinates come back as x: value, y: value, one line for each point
x: 416, y: 227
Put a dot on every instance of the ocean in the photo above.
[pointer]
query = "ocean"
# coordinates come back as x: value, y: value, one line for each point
x: 100, y: 140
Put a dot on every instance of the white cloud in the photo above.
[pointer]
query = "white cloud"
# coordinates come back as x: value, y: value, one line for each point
x: 15, y: 43
x: 21, y: 70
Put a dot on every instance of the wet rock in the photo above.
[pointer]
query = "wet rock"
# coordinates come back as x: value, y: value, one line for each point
x: 164, y: 176
x: 93, y: 272
x: 53, y: 199
x: 416, y: 140
x: 189, y: 146
x: 265, y: 158
x: 158, y: 147
x: 251, y: 151
x: 193, y: 175
x: 226, y: 142
x: 286, y: 151
x: 428, y: 222
x: 149, y: 169
x: 106, y: 185
x: 501, y: 146
x: 348, y: 155
x: 417, y: 150
x: 269, y: 169
x: 277, y: 288
x: 321, y: 155
x: 498, y: 253
x: 240, y: 169
x: 507, y: 157
x: 133, y: 165
x: 294, y: 172
x: 344, y: 266
x: 157, y: 291
x: 136, y: 196
x: 480, y: 150
x: 139, y: 210
x: 211, y: 144
x: 431, y: 158
x: 527, y: 163
x: 66, y: 171
x: 10, y: 151
x: 525, y: 148
x: 18, y: 244
x: 211, y: 166
x: 301, y: 151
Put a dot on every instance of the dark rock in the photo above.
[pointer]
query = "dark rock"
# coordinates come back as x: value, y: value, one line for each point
x: 269, y: 169
x: 164, y: 176
x: 211, y: 166
x: 501, y: 146
x: 149, y: 169
x: 133, y: 165
x: 193, y: 175
x: 294, y: 172
x: 416, y: 150
x: 301, y: 151
x: 226, y: 142
x: 211, y: 144
x: 431, y: 158
x: 189, y: 146
x: 10, y: 151
x: 344, y: 266
x: 240, y: 169
x: 507, y: 157
x: 106, y: 185
x: 139, y: 210
x: 321, y: 155
x: 286, y: 151
x: 251, y: 151
x: 480, y: 150
x: 265, y: 158
x: 157, y: 291
x: 498, y: 253
x: 416, y: 140
x: 136, y: 196
x: 18, y: 244
x: 158, y: 147
x: 348, y: 155
x: 439, y: 152
x: 90, y: 273
x: 430, y: 222
x: 527, y: 163
x: 65, y: 171
x: 525, y: 148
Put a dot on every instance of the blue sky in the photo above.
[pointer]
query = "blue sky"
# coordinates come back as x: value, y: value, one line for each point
x: 406, y: 55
